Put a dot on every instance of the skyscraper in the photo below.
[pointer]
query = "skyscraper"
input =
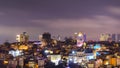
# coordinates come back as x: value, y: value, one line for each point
x: 105, y: 37
x: 46, y: 35
x: 80, y: 38
x: 47, y: 38
x: 116, y: 37
x: 24, y: 37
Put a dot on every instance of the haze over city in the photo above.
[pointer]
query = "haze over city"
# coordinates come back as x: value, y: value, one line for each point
x: 59, y: 17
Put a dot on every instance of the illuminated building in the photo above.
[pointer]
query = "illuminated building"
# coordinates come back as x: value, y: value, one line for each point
x: 105, y: 37
x: 45, y: 38
x: 113, y: 37
x: 116, y: 37
x: 22, y: 37
x: 58, y: 37
x: 40, y: 37
x: 80, y: 37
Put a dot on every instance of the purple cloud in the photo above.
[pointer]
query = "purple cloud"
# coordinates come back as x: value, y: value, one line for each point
x: 58, y: 17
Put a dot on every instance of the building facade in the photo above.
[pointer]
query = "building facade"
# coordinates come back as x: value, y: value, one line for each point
x: 24, y: 37
x: 105, y: 37
x: 116, y: 37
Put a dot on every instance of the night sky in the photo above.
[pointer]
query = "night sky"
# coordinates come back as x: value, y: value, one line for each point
x: 59, y: 17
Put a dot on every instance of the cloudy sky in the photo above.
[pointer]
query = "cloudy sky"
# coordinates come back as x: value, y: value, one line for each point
x: 63, y: 17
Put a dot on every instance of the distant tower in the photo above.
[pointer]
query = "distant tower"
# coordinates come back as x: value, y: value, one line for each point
x: 59, y: 37
x: 40, y: 37
x: 85, y: 37
x: 118, y: 37
x: 46, y: 37
x: 24, y: 37
x: 105, y: 37
x: 81, y: 38
x: 114, y: 37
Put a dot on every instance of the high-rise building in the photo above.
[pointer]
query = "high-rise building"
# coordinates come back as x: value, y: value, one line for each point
x: 24, y: 37
x: 105, y: 37
x: 80, y: 37
x: 40, y: 37
x: 46, y: 35
x: 116, y: 37
x: 46, y: 38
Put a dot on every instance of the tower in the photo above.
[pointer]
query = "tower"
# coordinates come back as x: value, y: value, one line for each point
x: 105, y: 37
x: 24, y: 37
x: 81, y: 38
x: 47, y: 38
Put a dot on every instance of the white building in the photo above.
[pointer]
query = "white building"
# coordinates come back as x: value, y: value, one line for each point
x: 104, y: 37
x: 22, y: 37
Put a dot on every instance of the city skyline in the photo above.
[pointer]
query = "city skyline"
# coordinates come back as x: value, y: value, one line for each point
x: 61, y: 17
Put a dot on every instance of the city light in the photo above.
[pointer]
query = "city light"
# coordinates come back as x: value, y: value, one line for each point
x: 60, y: 34
x: 46, y: 51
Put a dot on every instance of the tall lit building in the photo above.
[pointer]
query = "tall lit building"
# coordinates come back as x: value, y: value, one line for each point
x: 107, y: 37
x: 104, y: 37
x: 45, y: 38
x: 80, y: 37
x: 116, y: 37
x: 59, y: 37
x: 40, y: 37
x: 24, y: 37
